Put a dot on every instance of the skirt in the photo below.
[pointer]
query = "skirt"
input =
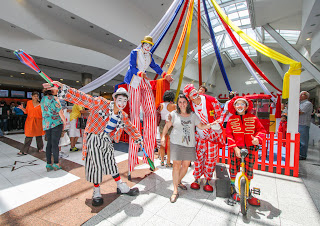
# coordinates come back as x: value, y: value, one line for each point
x: 179, y: 152
x: 161, y: 126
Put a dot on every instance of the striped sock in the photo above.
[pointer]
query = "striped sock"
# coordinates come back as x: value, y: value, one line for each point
x: 116, y: 177
x: 232, y: 179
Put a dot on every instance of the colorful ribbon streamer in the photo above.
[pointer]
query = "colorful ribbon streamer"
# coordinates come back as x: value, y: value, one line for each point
x: 199, y: 45
x: 123, y: 65
x: 239, y: 47
x: 174, y: 35
x: 185, y: 50
x: 183, y: 34
x: 295, y: 67
x: 216, y: 49
x: 166, y: 28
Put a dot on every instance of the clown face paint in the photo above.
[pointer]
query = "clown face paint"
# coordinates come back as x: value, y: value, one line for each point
x: 146, y: 47
x: 193, y: 94
x: 240, y: 107
x: 121, y: 102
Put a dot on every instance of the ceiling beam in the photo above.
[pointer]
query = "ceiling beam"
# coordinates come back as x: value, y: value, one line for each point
x: 278, y: 67
x: 314, y: 72
x: 252, y: 14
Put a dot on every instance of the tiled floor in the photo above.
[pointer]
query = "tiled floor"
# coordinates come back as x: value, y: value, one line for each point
x: 31, y: 196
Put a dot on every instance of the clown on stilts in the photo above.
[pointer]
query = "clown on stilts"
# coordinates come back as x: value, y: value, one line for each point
x: 208, y: 110
x: 105, y: 124
x: 141, y: 95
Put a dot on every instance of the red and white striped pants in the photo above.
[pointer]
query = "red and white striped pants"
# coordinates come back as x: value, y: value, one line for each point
x: 207, y: 153
x: 142, y: 96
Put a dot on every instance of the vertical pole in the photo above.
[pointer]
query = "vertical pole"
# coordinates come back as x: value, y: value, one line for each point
x: 199, y: 44
x: 293, y: 112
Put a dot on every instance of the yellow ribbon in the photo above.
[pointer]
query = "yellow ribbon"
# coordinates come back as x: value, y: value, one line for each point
x: 185, y: 53
x: 295, y: 67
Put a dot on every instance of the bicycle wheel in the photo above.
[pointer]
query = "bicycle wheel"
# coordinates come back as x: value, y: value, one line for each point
x: 243, y: 196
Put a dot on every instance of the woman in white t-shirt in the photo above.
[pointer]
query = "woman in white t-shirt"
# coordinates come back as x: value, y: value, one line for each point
x: 182, y: 141
x: 164, y: 110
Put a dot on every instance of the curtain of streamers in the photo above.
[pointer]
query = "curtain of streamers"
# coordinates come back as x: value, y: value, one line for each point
x: 295, y: 67
x: 124, y: 64
x: 239, y: 47
x: 216, y: 48
x: 185, y: 50
x: 183, y: 34
x: 174, y: 35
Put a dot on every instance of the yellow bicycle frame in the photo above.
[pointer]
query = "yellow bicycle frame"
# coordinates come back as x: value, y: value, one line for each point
x: 245, y: 177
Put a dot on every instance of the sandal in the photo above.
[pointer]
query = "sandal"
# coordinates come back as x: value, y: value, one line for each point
x: 21, y: 153
x: 168, y: 165
x: 182, y: 186
x: 174, y: 198
x: 162, y: 163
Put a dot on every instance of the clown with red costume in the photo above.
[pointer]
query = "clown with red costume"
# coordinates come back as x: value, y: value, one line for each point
x: 244, y: 130
x: 208, y: 109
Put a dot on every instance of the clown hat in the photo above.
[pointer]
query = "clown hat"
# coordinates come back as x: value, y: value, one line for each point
x: 121, y: 91
x: 147, y: 39
x: 187, y: 89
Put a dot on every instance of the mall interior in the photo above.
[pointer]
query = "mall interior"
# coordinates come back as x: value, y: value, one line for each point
x: 86, y: 45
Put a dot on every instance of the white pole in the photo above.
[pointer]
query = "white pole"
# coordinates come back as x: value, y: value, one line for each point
x: 293, y: 112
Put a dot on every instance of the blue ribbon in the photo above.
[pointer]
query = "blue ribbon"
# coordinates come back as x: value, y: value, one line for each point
x: 166, y: 28
x: 216, y: 49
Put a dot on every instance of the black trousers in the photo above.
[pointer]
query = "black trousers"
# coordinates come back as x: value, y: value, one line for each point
x: 28, y: 141
x: 53, y: 137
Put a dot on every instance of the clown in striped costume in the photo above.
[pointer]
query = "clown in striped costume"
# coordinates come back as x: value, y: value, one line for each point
x: 105, y: 123
x: 208, y: 110
x: 141, y: 95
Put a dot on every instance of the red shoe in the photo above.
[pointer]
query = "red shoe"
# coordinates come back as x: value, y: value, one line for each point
x: 254, y: 201
x: 207, y: 187
x: 195, y: 185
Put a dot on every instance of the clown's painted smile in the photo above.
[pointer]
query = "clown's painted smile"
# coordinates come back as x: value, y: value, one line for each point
x: 121, y: 102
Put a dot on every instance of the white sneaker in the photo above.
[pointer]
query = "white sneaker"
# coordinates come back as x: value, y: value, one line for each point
x: 123, y: 187
x: 96, y: 192
x: 97, y: 199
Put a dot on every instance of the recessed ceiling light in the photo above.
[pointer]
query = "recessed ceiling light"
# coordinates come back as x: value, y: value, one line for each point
x: 104, y: 85
x: 107, y: 34
x: 162, y: 4
x: 49, y: 6
x: 11, y: 76
x: 72, y: 17
x: 22, y: 73
x: 77, y: 81
x: 61, y: 79
x: 308, y: 39
x: 310, y: 32
x: 131, y: 45
x: 313, y: 25
x: 91, y: 26
x: 120, y: 40
x: 13, y: 26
